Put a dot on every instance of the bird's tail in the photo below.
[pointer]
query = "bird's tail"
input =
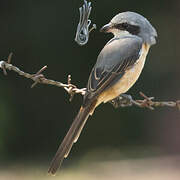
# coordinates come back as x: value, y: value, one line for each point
x: 71, y: 137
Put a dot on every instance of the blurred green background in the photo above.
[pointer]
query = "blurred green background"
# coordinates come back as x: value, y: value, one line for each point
x: 33, y: 122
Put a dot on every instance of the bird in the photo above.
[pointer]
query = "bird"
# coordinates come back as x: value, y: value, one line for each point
x: 117, y: 68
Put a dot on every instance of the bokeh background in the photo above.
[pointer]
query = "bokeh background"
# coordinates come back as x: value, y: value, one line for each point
x: 33, y: 122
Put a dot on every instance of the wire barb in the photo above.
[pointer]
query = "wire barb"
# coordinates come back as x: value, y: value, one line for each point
x: 4, y: 69
x: 125, y: 100
x: 9, y: 58
x: 38, y: 77
x: 3, y: 64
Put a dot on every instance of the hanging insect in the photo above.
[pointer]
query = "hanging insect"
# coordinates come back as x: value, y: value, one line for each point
x: 82, y: 33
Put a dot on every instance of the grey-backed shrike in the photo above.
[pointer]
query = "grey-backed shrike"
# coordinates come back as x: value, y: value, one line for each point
x: 118, y: 67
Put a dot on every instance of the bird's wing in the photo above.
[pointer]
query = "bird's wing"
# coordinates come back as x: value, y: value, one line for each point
x: 115, y: 58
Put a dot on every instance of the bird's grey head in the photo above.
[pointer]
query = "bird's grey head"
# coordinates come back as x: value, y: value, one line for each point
x: 131, y: 23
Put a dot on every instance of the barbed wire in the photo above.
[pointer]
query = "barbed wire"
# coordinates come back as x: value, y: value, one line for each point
x: 147, y: 102
x: 121, y: 101
x: 39, y: 78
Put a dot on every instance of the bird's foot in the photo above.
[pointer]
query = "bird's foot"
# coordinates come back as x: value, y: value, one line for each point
x: 124, y: 100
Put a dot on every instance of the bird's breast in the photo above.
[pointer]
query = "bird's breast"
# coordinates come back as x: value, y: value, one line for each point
x: 127, y: 80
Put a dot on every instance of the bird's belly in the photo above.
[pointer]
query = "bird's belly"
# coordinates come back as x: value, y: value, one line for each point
x: 129, y: 78
x: 126, y: 81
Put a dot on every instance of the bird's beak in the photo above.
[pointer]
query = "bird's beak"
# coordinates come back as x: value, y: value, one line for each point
x: 106, y: 28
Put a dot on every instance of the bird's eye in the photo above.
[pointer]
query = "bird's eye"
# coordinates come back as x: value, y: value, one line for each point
x: 119, y: 26
x: 122, y: 26
x: 125, y: 25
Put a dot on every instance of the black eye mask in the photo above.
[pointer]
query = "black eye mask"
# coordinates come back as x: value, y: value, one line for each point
x: 133, y: 29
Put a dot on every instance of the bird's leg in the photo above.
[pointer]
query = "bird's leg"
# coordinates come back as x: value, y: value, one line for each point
x: 124, y: 100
